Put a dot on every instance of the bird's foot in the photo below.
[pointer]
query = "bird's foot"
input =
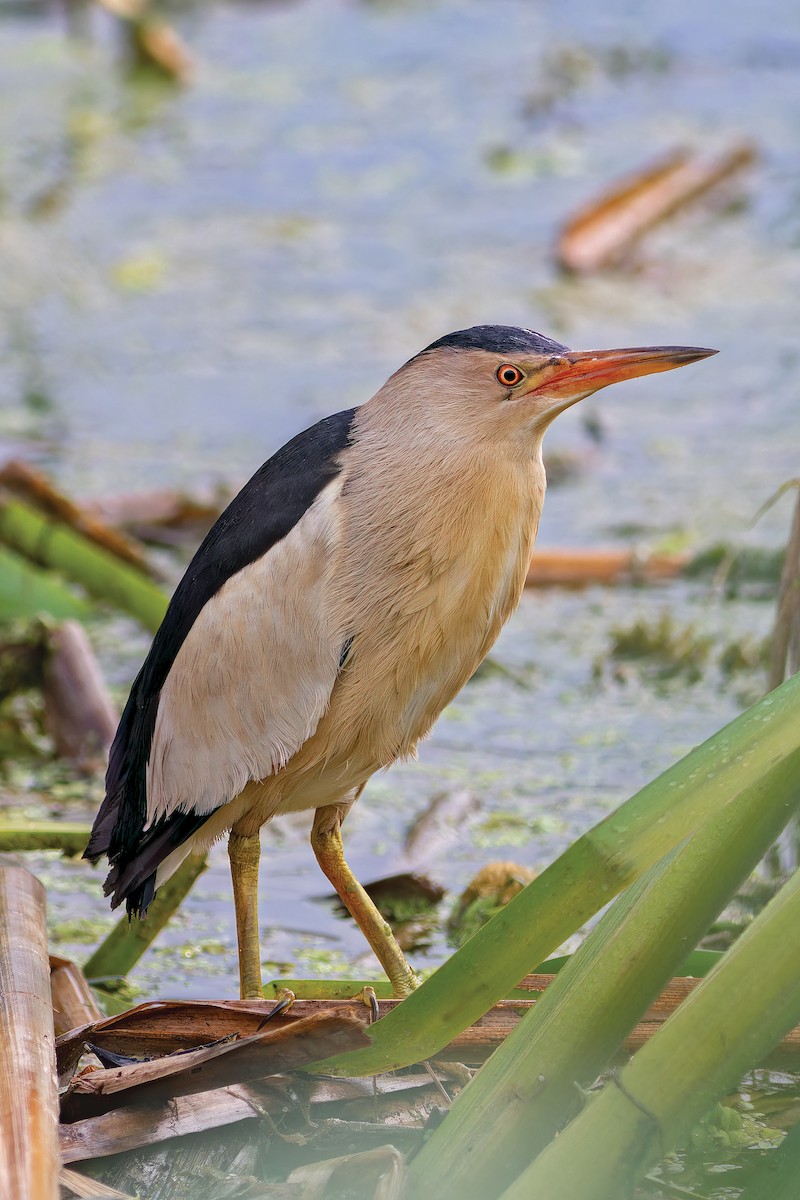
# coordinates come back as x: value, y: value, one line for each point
x: 404, y: 981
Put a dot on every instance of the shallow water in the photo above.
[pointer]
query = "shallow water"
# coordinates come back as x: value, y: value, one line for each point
x: 189, y: 277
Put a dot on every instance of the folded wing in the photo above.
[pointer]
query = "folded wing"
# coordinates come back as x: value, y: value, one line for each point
x: 240, y: 671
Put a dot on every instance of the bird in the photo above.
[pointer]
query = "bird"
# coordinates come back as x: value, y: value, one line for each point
x: 339, y: 603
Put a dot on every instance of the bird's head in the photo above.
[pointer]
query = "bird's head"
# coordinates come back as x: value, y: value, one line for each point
x: 506, y: 384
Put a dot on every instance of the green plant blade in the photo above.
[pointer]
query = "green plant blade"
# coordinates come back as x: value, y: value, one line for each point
x: 697, y: 964
x: 778, y: 1174
x: 122, y: 948
x: 529, y: 1089
x: 69, y: 837
x: 52, y: 544
x: 328, y: 989
x: 590, y: 873
x: 728, y: 1024
x: 28, y: 591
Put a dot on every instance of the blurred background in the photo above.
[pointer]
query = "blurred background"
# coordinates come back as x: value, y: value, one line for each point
x: 193, y: 271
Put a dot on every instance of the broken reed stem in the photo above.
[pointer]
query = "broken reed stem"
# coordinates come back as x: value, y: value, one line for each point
x: 128, y: 940
x: 78, y: 710
x: 86, y: 1188
x: 786, y: 634
x: 24, y: 836
x: 606, y: 229
x: 29, y: 1152
x: 50, y: 543
x: 72, y: 998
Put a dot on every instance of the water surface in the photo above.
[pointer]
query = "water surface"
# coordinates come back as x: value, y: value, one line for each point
x: 192, y: 276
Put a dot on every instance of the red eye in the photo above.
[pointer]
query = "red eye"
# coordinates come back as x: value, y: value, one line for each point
x: 509, y: 375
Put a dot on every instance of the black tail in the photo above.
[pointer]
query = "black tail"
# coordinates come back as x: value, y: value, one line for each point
x: 133, y: 878
x: 134, y: 852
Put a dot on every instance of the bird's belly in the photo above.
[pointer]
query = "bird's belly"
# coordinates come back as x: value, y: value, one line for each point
x: 416, y: 673
x: 426, y: 687
x: 316, y: 789
x: 413, y: 649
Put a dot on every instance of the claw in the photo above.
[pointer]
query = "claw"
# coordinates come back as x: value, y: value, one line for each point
x: 286, y: 999
x: 367, y: 996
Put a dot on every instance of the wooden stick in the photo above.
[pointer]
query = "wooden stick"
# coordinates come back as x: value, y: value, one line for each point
x: 169, y: 1025
x: 580, y: 568
x: 73, y: 1001
x: 78, y: 710
x: 600, y: 234
x: 29, y: 1152
x: 26, y: 482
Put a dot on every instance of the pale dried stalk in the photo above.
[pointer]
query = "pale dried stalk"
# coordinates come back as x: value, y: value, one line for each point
x: 87, y: 1189
x: 73, y: 1000
x: 29, y: 1155
x: 166, y: 1026
x: 78, y: 709
x: 136, y: 1125
x: 133, y: 1126
x: 582, y: 568
x: 786, y: 634
x: 605, y: 230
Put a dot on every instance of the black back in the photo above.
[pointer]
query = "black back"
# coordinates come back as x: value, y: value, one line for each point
x: 263, y: 512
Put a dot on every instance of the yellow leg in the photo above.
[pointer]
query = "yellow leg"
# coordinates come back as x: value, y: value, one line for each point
x: 326, y: 839
x: 244, y: 854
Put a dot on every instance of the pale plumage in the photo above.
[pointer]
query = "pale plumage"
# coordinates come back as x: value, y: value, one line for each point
x: 255, y: 673
x: 336, y: 608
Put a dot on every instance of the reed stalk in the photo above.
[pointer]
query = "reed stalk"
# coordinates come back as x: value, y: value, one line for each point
x: 29, y: 1154
x: 122, y: 948
x: 51, y: 543
x: 727, y: 1025
x: 752, y: 751
x: 531, y: 1086
x: 29, y: 591
x: 68, y: 837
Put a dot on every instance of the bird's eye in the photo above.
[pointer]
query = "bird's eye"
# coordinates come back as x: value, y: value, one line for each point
x: 509, y: 375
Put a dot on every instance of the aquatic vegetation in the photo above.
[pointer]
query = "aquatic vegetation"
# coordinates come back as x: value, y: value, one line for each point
x: 664, y: 648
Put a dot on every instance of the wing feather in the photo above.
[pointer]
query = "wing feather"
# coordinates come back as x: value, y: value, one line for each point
x: 254, y: 675
x: 232, y: 573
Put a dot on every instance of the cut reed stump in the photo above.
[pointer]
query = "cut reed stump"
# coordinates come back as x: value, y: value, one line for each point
x: 29, y: 1150
x: 582, y: 568
x: 72, y: 998
x: 604, y: 232
x: 79, y: 713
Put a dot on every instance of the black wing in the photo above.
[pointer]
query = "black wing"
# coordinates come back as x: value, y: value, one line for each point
x: 263, y: 513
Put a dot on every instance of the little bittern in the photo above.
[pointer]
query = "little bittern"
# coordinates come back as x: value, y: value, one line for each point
x: 338, y: 604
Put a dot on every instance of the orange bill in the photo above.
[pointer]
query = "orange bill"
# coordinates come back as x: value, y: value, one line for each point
x: 582, y: 371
